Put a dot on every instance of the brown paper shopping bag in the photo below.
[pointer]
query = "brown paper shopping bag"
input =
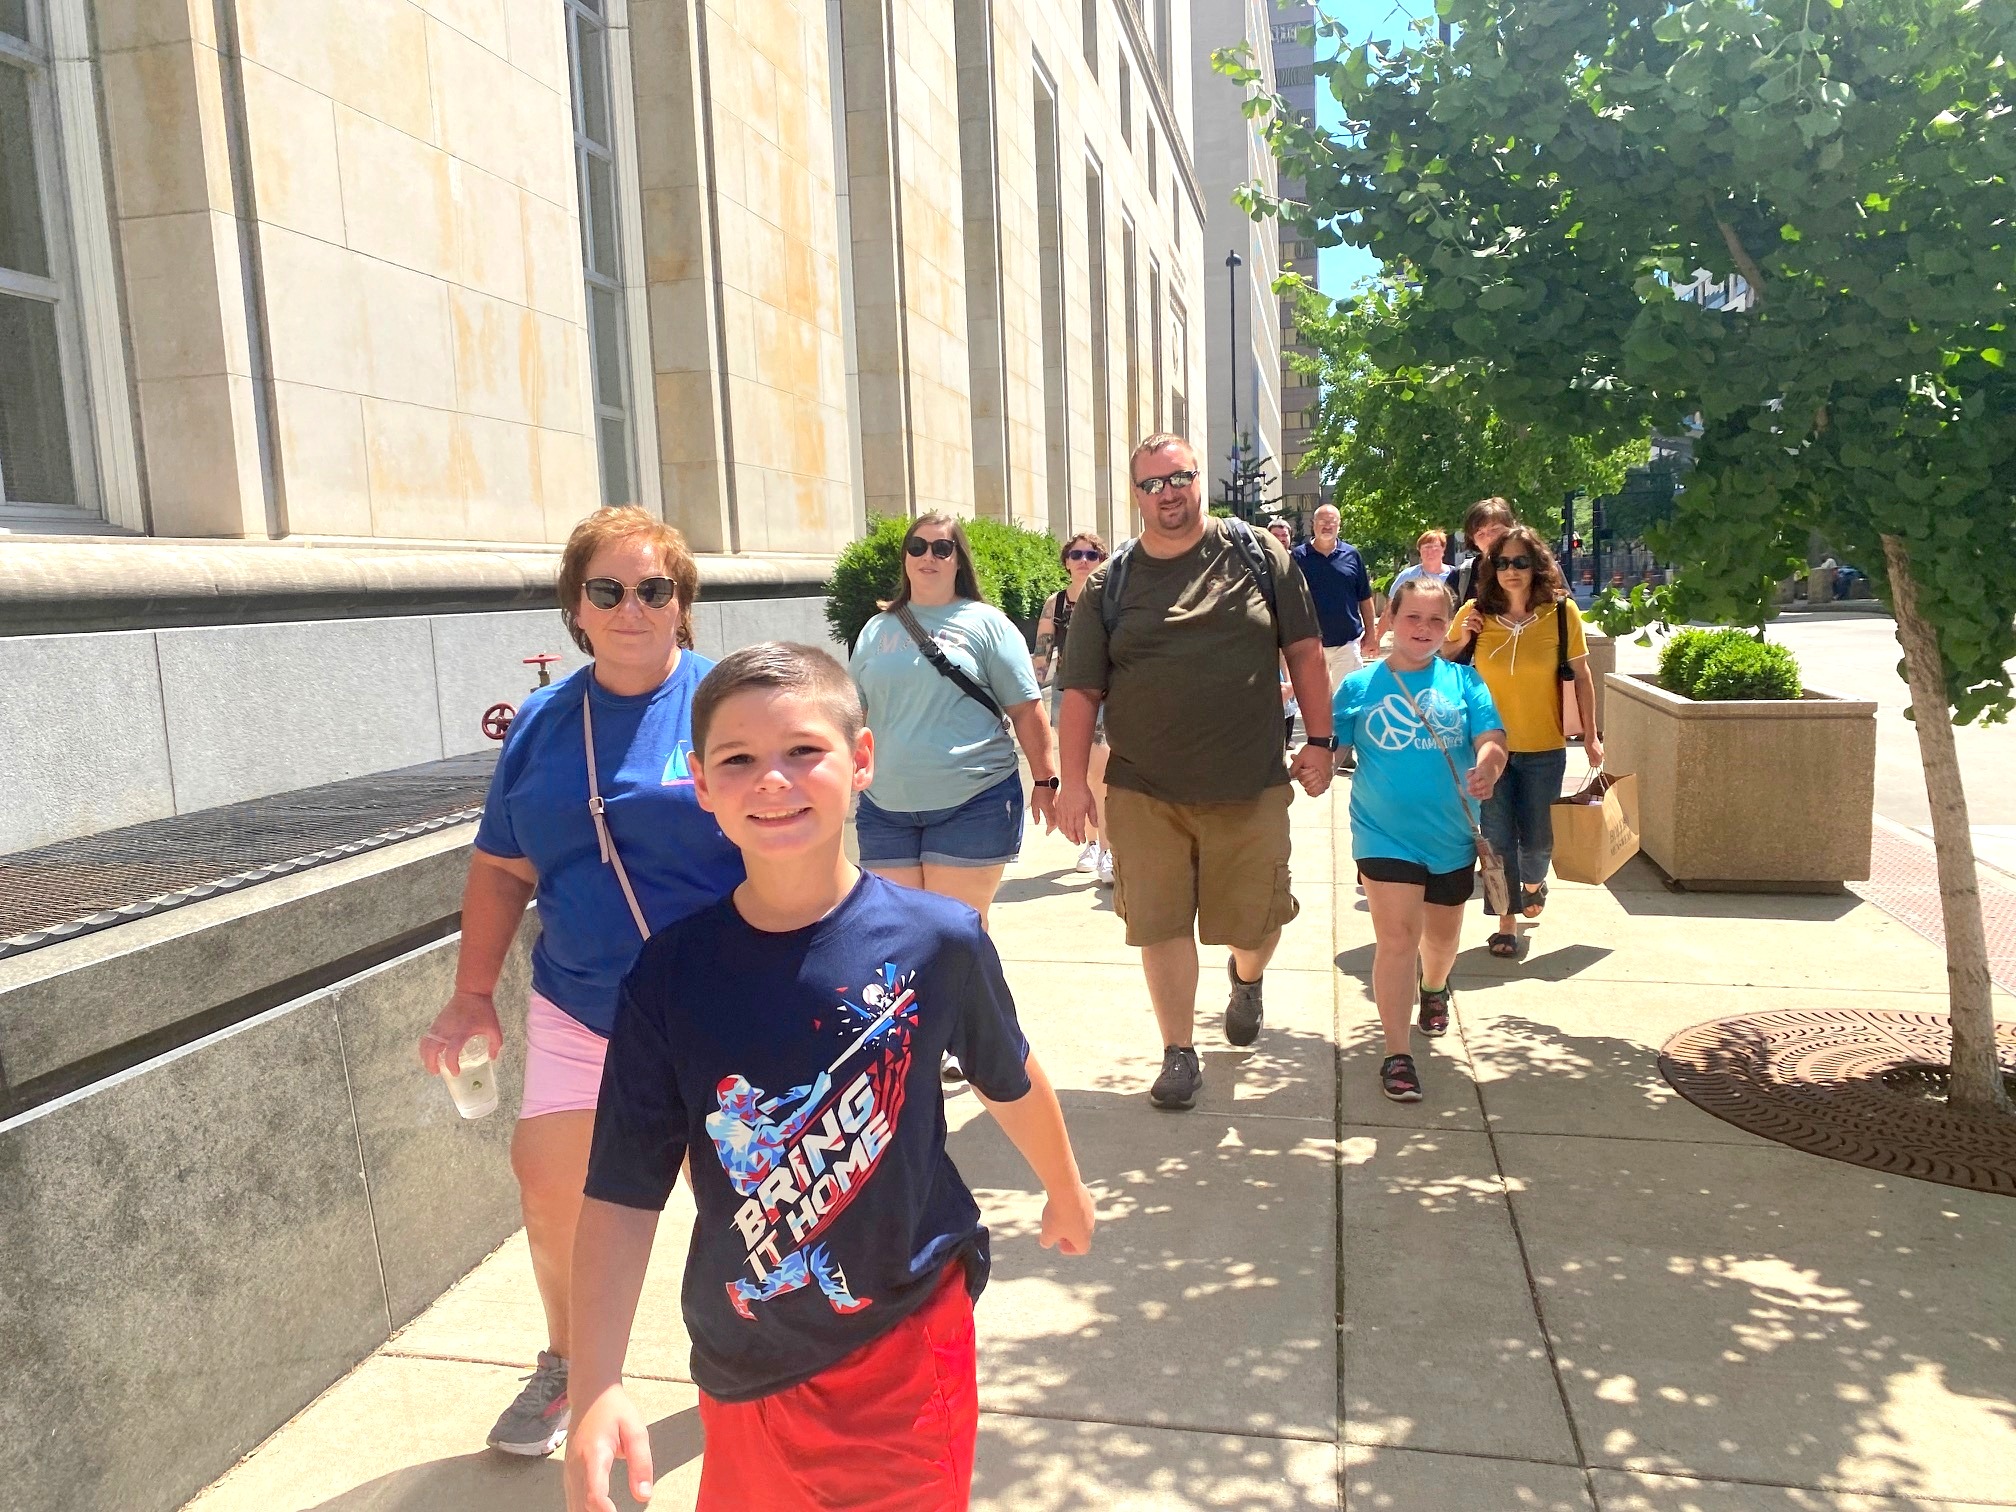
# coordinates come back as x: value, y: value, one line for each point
x: 1596, y: 829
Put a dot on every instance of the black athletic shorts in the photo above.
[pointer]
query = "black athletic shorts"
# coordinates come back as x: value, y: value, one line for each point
x: 1449, y: 889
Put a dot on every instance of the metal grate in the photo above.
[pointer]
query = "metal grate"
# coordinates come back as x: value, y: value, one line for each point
x: 75, y: 887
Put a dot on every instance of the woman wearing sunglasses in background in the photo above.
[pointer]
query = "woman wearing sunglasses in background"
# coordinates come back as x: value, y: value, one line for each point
x: 945, y: 810
x: 1521, y: 613
x: 1082, y: 556
x: 621, y: 728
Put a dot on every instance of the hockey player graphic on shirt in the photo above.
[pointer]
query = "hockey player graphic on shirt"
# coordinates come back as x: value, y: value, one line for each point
x: 799, y: 1157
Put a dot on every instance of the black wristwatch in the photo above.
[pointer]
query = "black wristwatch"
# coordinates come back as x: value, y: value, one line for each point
x: 1053, y: 783
x: 1327, y: 742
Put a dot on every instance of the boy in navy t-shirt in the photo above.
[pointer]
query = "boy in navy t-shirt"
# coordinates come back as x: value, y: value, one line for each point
x: 788, y: 1038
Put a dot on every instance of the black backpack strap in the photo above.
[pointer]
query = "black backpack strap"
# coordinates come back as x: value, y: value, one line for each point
x: 942, y: 664
x: 1255, y: 555
x: 1115, y: 591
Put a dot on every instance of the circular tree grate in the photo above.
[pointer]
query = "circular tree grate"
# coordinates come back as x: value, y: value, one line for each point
x: 1864, y: 1086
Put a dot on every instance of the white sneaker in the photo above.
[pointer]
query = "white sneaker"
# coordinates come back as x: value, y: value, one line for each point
x: 1088, y: 856
x: 1105, y: 868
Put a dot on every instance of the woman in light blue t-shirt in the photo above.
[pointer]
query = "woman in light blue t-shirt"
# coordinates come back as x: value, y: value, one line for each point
x: 945, y: 810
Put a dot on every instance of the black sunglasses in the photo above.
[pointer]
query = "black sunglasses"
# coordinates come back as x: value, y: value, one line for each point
x: 1084, y: 554
x: 1153, y: 486
x: 607, y: 593
x: 1516, y: 564
x: 941, y: 548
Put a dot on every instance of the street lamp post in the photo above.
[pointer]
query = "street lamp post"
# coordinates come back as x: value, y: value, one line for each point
x: 1232, y: 265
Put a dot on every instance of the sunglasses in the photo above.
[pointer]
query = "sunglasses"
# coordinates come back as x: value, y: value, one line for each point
x: 941, y: 549
x: 1512, y: 564
x: 1153, y: 486
x: 607, y: 593
x: 1079, y: 554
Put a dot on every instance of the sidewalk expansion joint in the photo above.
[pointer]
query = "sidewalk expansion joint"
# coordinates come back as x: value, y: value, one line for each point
x: 1469, y: 1454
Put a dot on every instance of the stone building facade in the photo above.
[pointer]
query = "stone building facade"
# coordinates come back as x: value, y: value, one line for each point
x: 1295, y: 77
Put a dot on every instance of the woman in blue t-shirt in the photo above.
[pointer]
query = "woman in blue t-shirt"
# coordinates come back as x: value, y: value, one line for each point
x: 945, y: 813
x: 1411, y: 718
x: 603, y: 883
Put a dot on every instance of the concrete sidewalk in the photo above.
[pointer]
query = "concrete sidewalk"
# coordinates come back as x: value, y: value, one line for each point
x: 1551, y: 1285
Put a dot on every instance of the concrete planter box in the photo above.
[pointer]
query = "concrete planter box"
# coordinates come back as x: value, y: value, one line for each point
x: 1602, y: 662
x: 1765, y: 796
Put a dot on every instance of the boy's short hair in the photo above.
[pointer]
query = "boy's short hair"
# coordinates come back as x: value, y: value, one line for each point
x: 784, y: 666
x: 1428, y: 585
x: 1491, y: 511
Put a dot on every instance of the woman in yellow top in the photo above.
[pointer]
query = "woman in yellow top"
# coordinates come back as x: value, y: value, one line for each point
x: 1516, y: 624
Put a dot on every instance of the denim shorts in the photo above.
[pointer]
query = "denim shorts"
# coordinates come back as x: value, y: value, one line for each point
x: 985, y: 830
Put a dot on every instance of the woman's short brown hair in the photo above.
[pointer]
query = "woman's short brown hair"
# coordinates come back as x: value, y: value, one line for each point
x: 1547, y: 584
x: 1491, y: 511
x: 965, y: 581
x: 1439, y: 537
x: 1092, y: 536
x: 606, y: 527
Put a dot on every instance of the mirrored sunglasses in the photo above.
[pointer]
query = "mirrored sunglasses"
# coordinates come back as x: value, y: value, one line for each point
x: 1153, y: 486
x: 1514, y: 563
x: 607, y: 593
x: 941, y: 549
x: 1081, y: 554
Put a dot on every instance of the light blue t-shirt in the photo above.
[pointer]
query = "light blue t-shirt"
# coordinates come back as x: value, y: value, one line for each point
x: 674, y: 853
x: 1404, y: 804
x: 935, y: 748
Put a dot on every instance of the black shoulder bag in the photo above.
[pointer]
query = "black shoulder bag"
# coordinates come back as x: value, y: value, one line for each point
x: 942, y: 665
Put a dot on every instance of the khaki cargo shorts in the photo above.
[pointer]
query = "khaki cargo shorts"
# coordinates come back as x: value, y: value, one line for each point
x: 1220, y: 867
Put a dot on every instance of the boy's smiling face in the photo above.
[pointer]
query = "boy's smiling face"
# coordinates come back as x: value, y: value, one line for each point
x: 778, y: 773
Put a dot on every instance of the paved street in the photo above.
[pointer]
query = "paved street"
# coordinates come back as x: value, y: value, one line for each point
x: 1554, y: 1285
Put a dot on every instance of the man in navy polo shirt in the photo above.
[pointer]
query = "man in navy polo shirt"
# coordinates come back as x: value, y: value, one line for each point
x: 1342, y: 589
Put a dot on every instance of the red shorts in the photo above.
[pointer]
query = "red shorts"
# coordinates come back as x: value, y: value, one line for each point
x: 890, y: 1428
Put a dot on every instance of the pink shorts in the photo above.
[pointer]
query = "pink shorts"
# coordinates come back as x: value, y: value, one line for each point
x: 563, y: 1061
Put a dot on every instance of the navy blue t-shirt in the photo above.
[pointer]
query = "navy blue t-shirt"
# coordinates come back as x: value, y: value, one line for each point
x: 1338, y: 583
x: 675, y: 855
x: 801, y: 1070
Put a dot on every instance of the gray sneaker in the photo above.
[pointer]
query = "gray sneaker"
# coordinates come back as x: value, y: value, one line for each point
x: 536, y: 1424
x: 1242, y: 1010
x: 1176, y: 1088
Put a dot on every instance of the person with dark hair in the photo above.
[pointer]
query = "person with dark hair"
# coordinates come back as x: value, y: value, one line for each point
x: 1483, y: 523
x: 605, y: 874
x: 1341, y: 588
x: 1526, y: 636
x: 949, y: 688
x: 1081, y: 555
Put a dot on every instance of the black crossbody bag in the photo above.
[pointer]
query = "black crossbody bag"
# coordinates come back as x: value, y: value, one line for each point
x: 942, y: 665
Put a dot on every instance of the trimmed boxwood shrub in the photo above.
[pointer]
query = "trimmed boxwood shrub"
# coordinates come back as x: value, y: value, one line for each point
x: 1744, y: 668
x: 1687, y: 651
x: 1018, y: 567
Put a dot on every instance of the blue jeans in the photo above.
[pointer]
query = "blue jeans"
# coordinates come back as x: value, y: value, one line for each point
x: 1518, y: 820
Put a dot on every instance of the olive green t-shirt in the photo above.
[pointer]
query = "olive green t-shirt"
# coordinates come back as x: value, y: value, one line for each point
x: 1192, y: 672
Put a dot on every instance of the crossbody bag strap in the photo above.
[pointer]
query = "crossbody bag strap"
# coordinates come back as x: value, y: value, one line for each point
x: 1562, y: 671
x: 1461, y: 796
x: 942, y: 664
x: 595, y: 808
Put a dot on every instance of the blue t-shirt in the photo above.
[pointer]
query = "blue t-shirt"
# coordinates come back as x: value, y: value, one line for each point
x: 936, y: 748
x: 801, y: 1071
x: 675, y: 854
x: 1404, y: 804
x: 1338, y: 583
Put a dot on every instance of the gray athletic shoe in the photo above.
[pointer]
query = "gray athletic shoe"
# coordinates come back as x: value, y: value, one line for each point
x: 1242, y: 1010
x: 1176, y: 1088
x: 536, y: 1424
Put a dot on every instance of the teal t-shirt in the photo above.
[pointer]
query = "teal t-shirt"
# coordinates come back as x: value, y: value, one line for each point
x: 1404, y: 803
x: 935, y: 748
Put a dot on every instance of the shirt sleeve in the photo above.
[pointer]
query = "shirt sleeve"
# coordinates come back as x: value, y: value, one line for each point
x: 987, y: 1040
x: 1364, y: 577
x: 1578, y: 639
x: 1086, y: 663
x: 1344, y: 709
x: 1481, y: 712
x: 641, y: 1124
x: 1010, y: 674
x: 1294, y: 610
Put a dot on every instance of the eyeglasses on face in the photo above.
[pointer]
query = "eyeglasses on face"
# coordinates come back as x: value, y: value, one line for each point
x: 607, y: 593
x: 1521, y: 563
x: 1153, y: 486
x: 941, y: 548
x: 1084, y: 554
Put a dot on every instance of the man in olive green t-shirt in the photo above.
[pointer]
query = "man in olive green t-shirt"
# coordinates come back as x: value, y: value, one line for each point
x: 1197, y: 792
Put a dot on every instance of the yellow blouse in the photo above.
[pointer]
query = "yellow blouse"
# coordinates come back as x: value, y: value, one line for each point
x: 1517, y: 663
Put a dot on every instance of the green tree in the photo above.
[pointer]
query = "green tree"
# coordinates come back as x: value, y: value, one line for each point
x: 1556, y: 174
x: 1403, y: 452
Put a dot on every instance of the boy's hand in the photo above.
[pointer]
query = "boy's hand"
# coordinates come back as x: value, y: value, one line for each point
x: 1068, y: 1221
x: 611, y: 1429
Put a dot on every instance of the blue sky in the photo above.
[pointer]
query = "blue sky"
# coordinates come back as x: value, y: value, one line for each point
x: 1338, y: 269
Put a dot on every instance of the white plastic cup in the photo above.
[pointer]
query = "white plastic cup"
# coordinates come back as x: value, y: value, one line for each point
x: 473, y: 1084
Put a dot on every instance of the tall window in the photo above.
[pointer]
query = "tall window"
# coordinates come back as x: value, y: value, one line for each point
x: 1050, y: 254
x: 38, y: 353
x: 601, y: 264
x: 1179, y: 354
x: 1155, y: 343
x: 1162, y: 43
x: 1102, y: 404
x: 1126, y: 100
x: 1130, y: 299
x: 1154, y: 190
x: 1090, y: 23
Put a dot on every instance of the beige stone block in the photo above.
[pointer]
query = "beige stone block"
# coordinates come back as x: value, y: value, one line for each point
x: 757, y: 266
x: 203, y: 456
x: 481, y: 21
x: 315, y: 313
x: 570, y: 481
x: 560, y: 397
x: 406, y: 334
x: 552, y: 247
x: 667, y: 157
x: 501, y: 475
x: 538, y: 40
x: 489, y: 232
x: 495, y: 355
x: 686, y: 409
x: 399, y: 203
x: 164, y: 118
x: 368, y: 54
x: 326, y: 478
x: 126, y: 24
x: 178, y: 268
x: 414, y: 469
x: 291, y: 133
x: 498, y: 118
x: 674, y: 236
x: 763, y: 185
x: 682, y: 316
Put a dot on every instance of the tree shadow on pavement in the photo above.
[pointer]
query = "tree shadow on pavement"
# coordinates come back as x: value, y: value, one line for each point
x: 1478, y: 963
